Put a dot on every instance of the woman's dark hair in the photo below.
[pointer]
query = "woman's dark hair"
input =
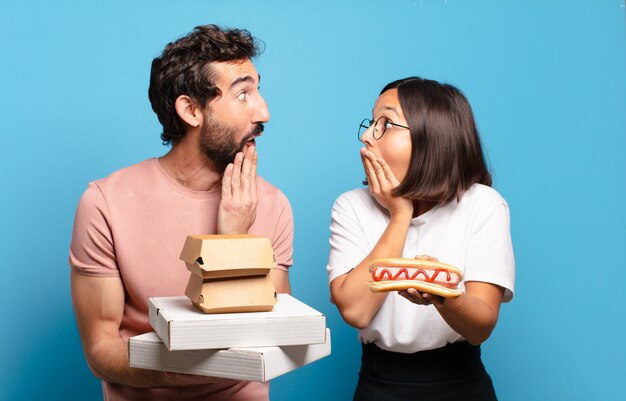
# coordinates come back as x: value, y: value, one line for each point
x: 447, y: 156
x: 184, y: 69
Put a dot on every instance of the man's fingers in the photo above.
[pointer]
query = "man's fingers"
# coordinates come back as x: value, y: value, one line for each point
x: 246, y: 172
x: 236, y: 180
x: 255, y: 161
x: 226, y: 182
x: 237, y: 211
x: 253, y: 192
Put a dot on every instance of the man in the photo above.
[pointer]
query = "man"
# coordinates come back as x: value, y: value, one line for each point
x: 131, y: 226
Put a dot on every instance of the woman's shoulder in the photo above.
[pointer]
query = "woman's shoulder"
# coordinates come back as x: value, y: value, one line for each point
x: 358, y: 199
x: 483, y: 194
x: 355, y: 196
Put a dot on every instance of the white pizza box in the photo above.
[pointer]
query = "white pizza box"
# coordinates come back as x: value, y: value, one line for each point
x: 259, y: 364
x: 183, y: 327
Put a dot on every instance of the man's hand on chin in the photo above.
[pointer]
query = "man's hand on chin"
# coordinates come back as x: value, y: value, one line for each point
x: 237, y: 210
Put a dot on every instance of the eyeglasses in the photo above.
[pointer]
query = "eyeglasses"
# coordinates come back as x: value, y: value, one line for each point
x: 380, y: 127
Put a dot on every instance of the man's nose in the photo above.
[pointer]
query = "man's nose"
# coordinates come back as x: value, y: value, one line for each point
x: 262, y: 114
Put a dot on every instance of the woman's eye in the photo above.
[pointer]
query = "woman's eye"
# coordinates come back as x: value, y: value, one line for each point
x: 388, y: 124
x: 242, y: 96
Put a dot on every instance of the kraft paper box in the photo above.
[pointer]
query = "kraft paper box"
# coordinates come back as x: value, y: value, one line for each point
x: 220, y: 256
x: 236, y: 294
x: 260, y: 364
x: 183, y: 327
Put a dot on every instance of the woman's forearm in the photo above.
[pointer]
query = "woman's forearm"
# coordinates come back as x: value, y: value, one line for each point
x: 475, y: 313
x: 356, y: 303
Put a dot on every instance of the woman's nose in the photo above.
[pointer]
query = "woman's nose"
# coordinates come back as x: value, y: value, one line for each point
x: 367, y: 136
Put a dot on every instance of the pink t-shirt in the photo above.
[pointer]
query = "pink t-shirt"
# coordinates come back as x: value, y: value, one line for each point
x: 133, y: 224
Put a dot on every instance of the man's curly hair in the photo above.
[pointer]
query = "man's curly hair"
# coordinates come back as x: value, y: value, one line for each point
x: 184, y: 69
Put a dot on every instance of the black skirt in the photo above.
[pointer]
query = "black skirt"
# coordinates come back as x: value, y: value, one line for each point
x: 454, y: 372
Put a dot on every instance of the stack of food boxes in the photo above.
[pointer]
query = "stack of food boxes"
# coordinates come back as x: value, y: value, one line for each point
x: 231, y: 323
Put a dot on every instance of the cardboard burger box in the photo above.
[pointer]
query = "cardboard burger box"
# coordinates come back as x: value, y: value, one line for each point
x: 219, y: 256
x: 183, y: 327
x: 241, y: 294
x: 260, y: 364
x: 230, y: 273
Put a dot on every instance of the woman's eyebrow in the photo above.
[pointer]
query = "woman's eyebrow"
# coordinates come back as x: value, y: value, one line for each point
x: 390, y: 108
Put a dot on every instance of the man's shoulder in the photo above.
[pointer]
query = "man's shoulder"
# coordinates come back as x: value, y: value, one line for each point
x: 122, y: 181
x: 268, y: 191
x: 130, y: 175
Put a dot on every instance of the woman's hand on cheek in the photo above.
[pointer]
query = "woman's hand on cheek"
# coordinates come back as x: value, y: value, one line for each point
x: 381, y: 182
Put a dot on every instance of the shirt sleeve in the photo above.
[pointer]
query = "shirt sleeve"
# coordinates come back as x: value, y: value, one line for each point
x: 91, y: 251
x: 490, y: 256
x: 348, y: 243
x: 283, y: 235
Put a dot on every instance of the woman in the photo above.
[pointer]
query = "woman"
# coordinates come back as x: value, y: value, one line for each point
x: 429, y: 197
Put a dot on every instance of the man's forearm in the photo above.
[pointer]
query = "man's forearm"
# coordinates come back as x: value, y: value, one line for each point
x: 280, y: 278
x: 108, y: 360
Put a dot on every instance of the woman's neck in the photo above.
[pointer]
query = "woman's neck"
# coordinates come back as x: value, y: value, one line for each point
x: 420, y: 207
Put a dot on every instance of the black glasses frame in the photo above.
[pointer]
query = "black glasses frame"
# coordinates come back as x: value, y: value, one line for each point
x: 367, y: 123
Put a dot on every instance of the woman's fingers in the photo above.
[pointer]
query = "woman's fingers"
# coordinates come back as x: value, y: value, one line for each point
x: 414, y: 296
x: 382, y: 181
x: 421, y: 298
x: 380, y: 173
x: 426, y: 257
x: 372, y: 179
x: 389, y: 175
x: 381, y: 170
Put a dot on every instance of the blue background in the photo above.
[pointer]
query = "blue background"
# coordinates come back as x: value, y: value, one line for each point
x: 545, y: 78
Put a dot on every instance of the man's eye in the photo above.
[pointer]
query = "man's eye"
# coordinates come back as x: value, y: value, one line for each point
x: 242, y: 96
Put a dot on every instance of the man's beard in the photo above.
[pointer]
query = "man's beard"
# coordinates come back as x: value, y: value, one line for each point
x: 217, y: 142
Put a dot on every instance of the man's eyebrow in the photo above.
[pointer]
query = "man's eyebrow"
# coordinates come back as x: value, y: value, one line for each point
x: 245, y: 78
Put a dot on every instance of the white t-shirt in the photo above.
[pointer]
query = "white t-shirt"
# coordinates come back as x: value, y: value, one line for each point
x: 472, y: 234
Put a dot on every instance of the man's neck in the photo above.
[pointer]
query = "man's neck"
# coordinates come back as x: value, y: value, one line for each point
x: 190, y: 168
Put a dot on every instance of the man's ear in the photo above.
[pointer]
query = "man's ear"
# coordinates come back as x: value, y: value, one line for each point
x: 188, y: 111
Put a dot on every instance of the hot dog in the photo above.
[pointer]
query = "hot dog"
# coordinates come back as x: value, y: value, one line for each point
x: 396, y: 274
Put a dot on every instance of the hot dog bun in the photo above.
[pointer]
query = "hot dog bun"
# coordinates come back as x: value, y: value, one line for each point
x: 396, y: 274
x: 421, y: 286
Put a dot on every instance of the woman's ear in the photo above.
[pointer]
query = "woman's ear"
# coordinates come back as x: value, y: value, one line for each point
x: 188, y: 111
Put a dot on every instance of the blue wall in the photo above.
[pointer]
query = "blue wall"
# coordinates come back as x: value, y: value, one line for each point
x: 546, y: 80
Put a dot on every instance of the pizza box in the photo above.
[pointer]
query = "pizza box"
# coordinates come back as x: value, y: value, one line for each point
x: 183, y: 327
x: 259, y: 364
